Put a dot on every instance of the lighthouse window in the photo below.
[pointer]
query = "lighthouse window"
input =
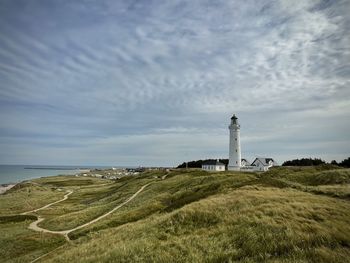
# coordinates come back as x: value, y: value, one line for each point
x: 236, y: 162
x: 236, y: 150
x: 235, y: 139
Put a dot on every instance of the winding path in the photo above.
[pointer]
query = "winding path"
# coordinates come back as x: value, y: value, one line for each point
x: 34, y: 225
x: 69, y: 192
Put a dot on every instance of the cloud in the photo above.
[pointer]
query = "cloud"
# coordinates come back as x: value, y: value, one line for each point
x: 78, y: 71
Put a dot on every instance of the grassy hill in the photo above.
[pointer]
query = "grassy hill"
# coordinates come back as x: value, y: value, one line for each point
x: 284, y: 215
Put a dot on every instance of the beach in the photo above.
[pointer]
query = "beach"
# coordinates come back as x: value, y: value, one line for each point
x: 5, y: 187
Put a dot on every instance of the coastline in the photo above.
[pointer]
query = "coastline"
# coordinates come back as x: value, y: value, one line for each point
x: 13, y: 174
x: 5, y: 187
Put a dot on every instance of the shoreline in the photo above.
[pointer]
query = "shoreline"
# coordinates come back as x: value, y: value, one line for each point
x: 56, y: 168
x: 5, y: 187
x: 19, y: 174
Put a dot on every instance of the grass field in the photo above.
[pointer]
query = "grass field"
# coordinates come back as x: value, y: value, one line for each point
x: 284, y: 215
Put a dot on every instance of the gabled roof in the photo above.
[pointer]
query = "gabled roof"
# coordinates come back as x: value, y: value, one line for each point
x: 246, y: 161
x: 264, y: 161
x: 212, y: 162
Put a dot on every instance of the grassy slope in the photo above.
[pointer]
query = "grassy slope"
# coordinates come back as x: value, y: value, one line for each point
x: 198, y: 217
x: 87, y: 203
x: 168, y: 195
x: 327, y: 180
x: 235, y: 217
x: 249, y: 224
x: 19, y: 244
x: 318, y: 175
x: 26, y: 197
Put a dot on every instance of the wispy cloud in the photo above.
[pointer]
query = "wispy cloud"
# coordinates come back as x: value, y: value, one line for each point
x: 170, y: 72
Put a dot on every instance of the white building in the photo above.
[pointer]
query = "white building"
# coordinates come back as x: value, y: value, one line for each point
x: 234, y: 163
x: 259, y: 165
x: 213, y: 166
x: 263, y: 164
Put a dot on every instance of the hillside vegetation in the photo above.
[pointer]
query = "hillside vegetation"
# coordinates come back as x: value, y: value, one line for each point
x: 299, y: 214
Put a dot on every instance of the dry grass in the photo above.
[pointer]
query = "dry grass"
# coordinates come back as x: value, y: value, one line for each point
x: 26, y: 197
x: 285, y: 215
x: 19, y: 244
x: 251, y: 224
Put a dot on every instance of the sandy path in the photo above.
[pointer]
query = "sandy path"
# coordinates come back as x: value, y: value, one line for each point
x: 165, y: 175
x: 34, y: 225
x: 69, y: 192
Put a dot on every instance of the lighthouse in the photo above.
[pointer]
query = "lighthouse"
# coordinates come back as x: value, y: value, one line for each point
x: 234, y: 163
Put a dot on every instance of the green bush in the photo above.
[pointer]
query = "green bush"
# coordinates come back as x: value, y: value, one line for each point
x: 16, y: 218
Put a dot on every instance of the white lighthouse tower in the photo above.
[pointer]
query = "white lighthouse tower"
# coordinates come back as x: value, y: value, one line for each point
x: 234, y: 163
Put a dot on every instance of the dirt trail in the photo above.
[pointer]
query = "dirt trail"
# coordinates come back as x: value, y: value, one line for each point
x: 69, y: 192
x: 165, y: 175
x: 34, y: 225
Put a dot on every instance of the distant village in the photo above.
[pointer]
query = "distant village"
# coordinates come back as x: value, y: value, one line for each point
x: 117, y: 173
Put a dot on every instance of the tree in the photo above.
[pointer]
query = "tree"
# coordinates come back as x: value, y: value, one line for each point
x: 334, y: 162
x: 345, y: 163
x: 198, y: 163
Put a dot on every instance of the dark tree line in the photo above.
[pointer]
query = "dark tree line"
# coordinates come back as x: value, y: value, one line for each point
x: 304, y: 162
x: 295, y: 162
x: 315, y: 161
x: 344, y: 163
x: 198, y: 163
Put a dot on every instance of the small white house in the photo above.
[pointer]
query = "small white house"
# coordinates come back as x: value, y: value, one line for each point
x: 263, y: 164
x: 213, y: 166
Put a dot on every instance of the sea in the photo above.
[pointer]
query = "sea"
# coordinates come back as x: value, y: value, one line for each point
x: 18, y: 173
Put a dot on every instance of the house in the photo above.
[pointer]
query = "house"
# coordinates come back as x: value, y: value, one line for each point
x: 263, y: 164
x: 213, y: 166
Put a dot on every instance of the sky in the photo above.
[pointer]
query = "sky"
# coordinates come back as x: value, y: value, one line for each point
x: 154, y: 83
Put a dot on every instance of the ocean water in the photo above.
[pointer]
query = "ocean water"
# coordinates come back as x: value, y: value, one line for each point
x: 18, y: 173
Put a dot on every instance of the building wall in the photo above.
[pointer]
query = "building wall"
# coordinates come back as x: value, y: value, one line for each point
x: 257, y: 167
x: 218, y: 168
